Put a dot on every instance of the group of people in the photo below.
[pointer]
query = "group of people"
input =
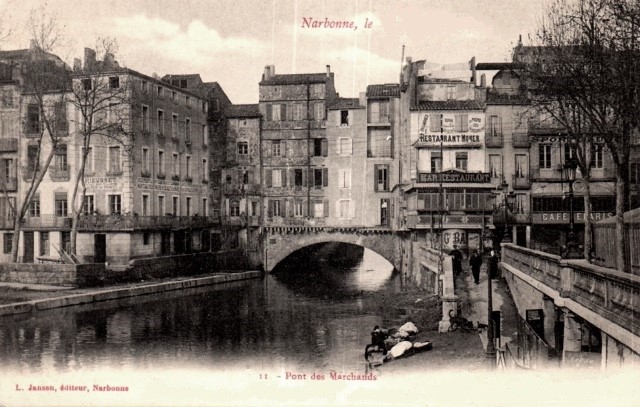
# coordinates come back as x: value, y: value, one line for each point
x: 475, y: 262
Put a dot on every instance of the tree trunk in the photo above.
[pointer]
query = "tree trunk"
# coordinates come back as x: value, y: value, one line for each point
x: 620, y: 240
x: 588, y: 236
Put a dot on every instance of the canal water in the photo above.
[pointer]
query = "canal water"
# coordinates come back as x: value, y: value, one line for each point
x: 306, y: 315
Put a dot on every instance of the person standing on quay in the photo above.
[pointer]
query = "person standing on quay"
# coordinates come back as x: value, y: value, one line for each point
x: 475, y: 262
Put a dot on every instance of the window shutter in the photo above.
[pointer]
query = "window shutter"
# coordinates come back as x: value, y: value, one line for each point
x: 269, y: 113
x: 376, y: 169
x: 283, y: 112
x: 326, y: 208
x: 304, y: 177
x: 268, y: 178
x: 287, y: 208
x: 325, y: 177
x: 325, y: 147
x: 352, y: 209
x: 283, y: 148
x: 458, y: 122
x: 283, y: 180
x: 270, y: 209
x: 227, y: 210
x: 350, y: 147
x: 292, y: 178
x: 465, y: 122
x: 266, y: 149
x: 435, y: 126
x: 499, y: 126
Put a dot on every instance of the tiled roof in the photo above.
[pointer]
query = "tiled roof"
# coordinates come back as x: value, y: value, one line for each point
x: 14, y: 54
x: 168, y: 77
x: 448, y: 105
x: 296, y: 79
x: 498, y: 66
x: 251, y: 110
x: 429, y: 79
x: 386, y: 90
x: 345, y: 103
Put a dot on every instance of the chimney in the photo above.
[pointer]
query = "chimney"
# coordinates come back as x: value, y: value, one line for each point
x: 328, y: 71
x: 472, y: 64
x: 77, y: 64
x: 483, y: 80
x: 89, y: 58
x: 272, y: 70
x: 267, y: 72
x: 32, y: 45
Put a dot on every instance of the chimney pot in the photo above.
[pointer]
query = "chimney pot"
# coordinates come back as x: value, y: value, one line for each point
x: 483, y: 80
x: 267, y: 71
x: 328, y: 70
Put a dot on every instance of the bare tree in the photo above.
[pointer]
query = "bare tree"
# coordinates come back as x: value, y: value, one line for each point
x: 46, y: 85
x: 102, y: 97
x: 583, y: 73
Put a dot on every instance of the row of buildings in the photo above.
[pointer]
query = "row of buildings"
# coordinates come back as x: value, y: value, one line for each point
x: 441, y: 150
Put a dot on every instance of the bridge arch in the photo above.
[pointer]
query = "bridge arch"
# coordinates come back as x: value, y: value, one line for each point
x: 283, y: 241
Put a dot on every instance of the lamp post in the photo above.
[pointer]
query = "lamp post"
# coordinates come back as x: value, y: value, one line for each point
x: 485, y: 241
x: 507, y: 197
x: 571, y: 251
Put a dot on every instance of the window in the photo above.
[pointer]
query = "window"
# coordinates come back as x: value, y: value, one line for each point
x: 569, y: 152
x: 188, y: 206
x: 381, y: 178
x: 205, y: 170
x: 188, y: 167
x: 320, y: 147
x: 145, y: 118
x: 462, y: 161
x: 320, y: 209
x: 205, y: 135
x: 384, y: 212
x: 145, y: 238
x: 8, y: 169
x: 32, y: 159
x: 61, y: 124
x: 451, y: 92
x: 436, y: 161
x: 174, y: 96
x: 234, y: 208
x: 299, y: 111
x: 495, y: 165
x: 145, y: 205
x: 44, y: 243
x: 634, y: 173
x: 318, y: 112
x: 88, y: 207
x: 115, y: 204
x: 33, y: 119
x: 344, y: 208
x: 88, y: 165
x: 114, y: 160
x: 60, y: 161
x: 34, y: 207
x: 521, y: 166
x: 8, y: 242
x: 160, y: 92
x: 204, y: 106
x: 275, y: 148
x: 277, y: 178
x: 345, y: 178
x: 65, y: 239
x: 7, y: 98
x: 145, y: 161
x: 144, y: 86
x: 544, y: 155
x: 61, y: 204
x: 297, y: 178
x: 495, y: 126
x: 344, y: 146
x: 378, y: 112
x: 461, y: 122
x: 344, y: 117
x: 188, y: 101
x: 520, y: 203
x: 320, y: 177
x: 275, y: 207
x: 205, y: 207
x: 174, y: 126
x: 187, y: 129
x: 175, y: 165
x: 114, y: 82
x: 174, y: 207
x: 243, y: 148
x: 161, y: 163
x: 596, y: 156
x: 161, y: 210
x: 160, y: 122
x: 86, y: 84
x: 379, y: 143
x: 276, y: 112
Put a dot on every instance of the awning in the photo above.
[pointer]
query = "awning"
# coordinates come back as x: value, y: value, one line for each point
x: 559, y: 189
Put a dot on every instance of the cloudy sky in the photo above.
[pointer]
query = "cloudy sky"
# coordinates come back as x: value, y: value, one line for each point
x: 230, y: 41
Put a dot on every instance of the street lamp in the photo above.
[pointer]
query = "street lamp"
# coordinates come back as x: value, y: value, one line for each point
x: 486, y: 241
x: 506, y: 205
x: 571, y: 250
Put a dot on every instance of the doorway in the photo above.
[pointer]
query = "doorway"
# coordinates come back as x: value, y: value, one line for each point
x: 99, y: 248
x: 28, y: 247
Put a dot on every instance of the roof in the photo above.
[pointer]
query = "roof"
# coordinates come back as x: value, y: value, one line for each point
x: 14, y: 54
x: 250, y: 110
x: 430, y: 79
x: 385, y: 90
x: 181, y: 76
x: 448, y: 105
x: 296, y: 79
x: 345, y: 103
x: 498, y: 66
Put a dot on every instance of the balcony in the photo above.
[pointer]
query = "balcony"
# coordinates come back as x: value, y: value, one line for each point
x: 521, y: 182
x: 6, y: 223
x: 46, y: 222
x: 114, y: 172
x: 29, y: 171
x: 59, y: 174
x: 118, y: 222
x: 280, y: 221
x: 543, y: 174
x: 494, y: 139
x: 448, y: 221
x: 521, y: 140
x: 247, y: 189
x: 8, y: 184
x: 8, y: 145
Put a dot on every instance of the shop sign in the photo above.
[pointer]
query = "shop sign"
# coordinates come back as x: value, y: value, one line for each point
x: 454, y: 237
x: 448, y: 129
x: 101, y: 183
x: 455, y: 177
x: 563, y: 217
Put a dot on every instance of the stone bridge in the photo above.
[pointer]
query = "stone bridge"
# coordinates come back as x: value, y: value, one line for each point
x: 281, y: 241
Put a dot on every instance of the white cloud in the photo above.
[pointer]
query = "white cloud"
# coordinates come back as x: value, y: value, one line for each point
x: 197, y: 41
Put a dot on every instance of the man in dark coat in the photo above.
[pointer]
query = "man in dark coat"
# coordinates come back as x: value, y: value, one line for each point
x: 493, y: 265
x: 457, y: 260
x: 475, y: 261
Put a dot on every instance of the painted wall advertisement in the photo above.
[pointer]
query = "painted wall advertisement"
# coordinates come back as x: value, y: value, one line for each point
x: 450, y: 129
